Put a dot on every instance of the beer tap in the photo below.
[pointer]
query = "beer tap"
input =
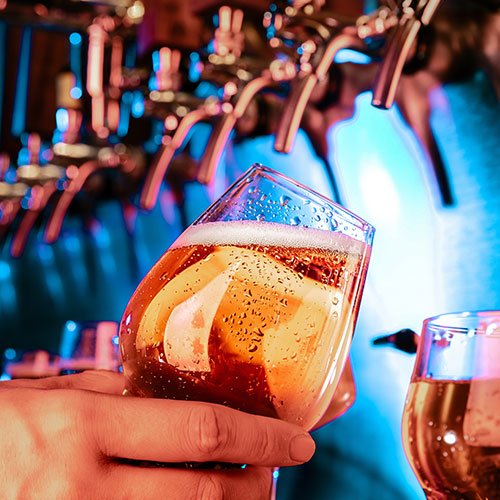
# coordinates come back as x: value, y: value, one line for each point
x: 317, y: 37
x: 243, y: 82
x: 12, y: 192
x: 412, y: 16
x: 129, y: 161
x: 43, y: 183
x: 180, y: 112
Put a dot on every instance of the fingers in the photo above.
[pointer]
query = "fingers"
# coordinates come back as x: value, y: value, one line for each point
x: 92, y: 380
x: 188, y: 431
x: 139, y: 483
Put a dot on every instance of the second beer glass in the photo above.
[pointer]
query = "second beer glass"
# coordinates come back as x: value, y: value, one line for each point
x: 254, y: 305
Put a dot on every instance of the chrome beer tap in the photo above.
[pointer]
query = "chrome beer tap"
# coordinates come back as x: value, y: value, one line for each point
x: 318, y: 37
x: 256, y: 70
x: 12, y: 192
x: 412, y: 16
x: 42, y: 181
x: 179, y: 110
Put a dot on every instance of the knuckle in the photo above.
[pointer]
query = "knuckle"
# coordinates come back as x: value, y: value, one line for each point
x: 265, y: 444
x: 208, y: 430
x: 210, y: 487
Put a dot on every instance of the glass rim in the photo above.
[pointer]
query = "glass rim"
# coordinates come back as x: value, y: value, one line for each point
x: 359, y: 222
x: 446, y: 321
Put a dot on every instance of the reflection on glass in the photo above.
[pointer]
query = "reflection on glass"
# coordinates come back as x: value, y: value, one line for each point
x: 254, y: 305
x: 451, y: 423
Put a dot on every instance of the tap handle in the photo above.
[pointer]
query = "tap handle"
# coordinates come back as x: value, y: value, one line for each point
x: 413, y: 16
x: 229, y: 38
x: 4, y: 165
x: 95, y: 71
x: 167, y: 70
x: 34, y: 146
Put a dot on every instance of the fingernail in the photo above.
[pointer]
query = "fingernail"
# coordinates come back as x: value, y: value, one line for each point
x: 302, y: 448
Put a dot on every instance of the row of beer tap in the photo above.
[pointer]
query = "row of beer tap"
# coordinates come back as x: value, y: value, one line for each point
x: 246, y: 80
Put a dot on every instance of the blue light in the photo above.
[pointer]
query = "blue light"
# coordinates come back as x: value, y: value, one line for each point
x: 138, y: 104
x: 276, y: 474
x: 115, y: 340
x: 70, y: 326
x: 130, y: 56
x: 62, y: 119
x: 22, y: 83
x: 153, y: 82
x: 76, y: 92
x: 10, y: 176
x: 23, y: 156
x: 124, y: 117
x: 75, y: 38
x: 5, y: 377
x: 156, y: 61
x: 352, y: 56
x: 10, y: 354
x: 194, y: 56
x: 215, y: 20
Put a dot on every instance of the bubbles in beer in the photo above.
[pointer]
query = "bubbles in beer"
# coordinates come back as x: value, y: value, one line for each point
x: 251, y: 315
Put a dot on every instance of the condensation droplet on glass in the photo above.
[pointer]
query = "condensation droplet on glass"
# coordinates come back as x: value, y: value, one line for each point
x: 284, y: 200
x: 450, y: 437
x: 261, y: 217
x: 253, y: 348
x: 295, y: 221
x: 252, y: 189
x: 263, y: 197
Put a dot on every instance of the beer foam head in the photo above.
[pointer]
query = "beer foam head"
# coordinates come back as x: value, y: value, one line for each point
x: 266, y: 234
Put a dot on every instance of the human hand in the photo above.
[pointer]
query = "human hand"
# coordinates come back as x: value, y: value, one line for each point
x: 62, y: 438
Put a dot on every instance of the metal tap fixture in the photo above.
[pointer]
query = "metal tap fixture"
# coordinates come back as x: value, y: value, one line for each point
x: 179, y: 110
x: 241, y: 82
x: 412, y: 15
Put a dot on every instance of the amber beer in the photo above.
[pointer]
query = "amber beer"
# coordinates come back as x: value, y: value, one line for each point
x: 453, y: 445
x: 247, y: 314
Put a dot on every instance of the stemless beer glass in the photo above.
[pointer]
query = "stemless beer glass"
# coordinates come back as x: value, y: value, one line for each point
x: 451, y: 422
x: 254, y: 305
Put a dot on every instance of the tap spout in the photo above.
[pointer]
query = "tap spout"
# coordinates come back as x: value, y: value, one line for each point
x: 158, y: 169
x: 40, y: 197
x: 56, y: 218
x: 225, y: 125
x: 302, y: 88
x: 398, y: 49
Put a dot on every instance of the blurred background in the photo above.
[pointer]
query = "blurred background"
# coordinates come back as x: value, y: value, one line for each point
x: 121, y: 120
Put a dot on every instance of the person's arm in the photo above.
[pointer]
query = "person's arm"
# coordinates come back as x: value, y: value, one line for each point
x: 66, y: 438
